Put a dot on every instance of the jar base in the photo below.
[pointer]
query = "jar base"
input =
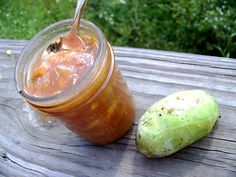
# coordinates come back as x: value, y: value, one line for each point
x: 38, y: 120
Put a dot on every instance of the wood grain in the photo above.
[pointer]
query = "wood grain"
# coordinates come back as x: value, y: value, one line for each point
x: 151, y: 75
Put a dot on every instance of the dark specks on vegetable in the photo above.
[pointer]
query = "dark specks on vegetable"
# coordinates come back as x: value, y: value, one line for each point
x: 198, y: 100
x: 139, y: 136
x: 175, y: 122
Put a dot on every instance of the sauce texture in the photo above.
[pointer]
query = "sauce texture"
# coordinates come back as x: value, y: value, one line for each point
x: 59, y: 71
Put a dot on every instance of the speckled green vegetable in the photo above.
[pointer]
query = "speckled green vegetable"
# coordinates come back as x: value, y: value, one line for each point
x: 175, y: 122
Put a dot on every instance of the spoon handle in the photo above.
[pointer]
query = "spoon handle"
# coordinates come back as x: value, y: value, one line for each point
x: 81, y: 4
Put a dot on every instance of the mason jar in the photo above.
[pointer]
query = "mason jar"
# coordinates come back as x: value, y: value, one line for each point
x: 100, y: 107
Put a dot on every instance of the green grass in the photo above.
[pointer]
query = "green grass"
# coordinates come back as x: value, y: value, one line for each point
x: 22, y: 19
x: 204, y: 27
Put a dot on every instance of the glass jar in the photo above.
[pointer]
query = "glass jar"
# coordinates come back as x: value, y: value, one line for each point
x: 100, y: 107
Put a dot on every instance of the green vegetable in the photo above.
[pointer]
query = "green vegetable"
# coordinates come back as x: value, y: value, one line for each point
x: 175, y: 122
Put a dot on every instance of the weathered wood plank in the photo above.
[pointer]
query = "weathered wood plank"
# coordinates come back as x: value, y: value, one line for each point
x: 150, y: 74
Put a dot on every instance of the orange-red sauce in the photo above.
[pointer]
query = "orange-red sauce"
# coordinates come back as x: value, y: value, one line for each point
x: 62, y: 69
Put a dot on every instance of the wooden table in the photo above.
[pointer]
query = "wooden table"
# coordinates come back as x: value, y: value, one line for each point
x: 151, y: 75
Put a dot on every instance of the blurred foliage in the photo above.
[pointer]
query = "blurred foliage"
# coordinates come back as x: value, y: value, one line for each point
x: 203, y: 26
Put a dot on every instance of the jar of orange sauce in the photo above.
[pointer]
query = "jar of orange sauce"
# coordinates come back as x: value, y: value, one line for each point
x: 99, y: 107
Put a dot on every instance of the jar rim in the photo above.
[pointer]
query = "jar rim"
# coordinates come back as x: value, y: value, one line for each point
x: 69, y: 92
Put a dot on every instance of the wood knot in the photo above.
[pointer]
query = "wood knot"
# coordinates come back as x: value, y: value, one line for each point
x: 3, y: 156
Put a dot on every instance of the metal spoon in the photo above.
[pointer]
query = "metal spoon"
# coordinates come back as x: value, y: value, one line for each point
x: 72, y: 40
